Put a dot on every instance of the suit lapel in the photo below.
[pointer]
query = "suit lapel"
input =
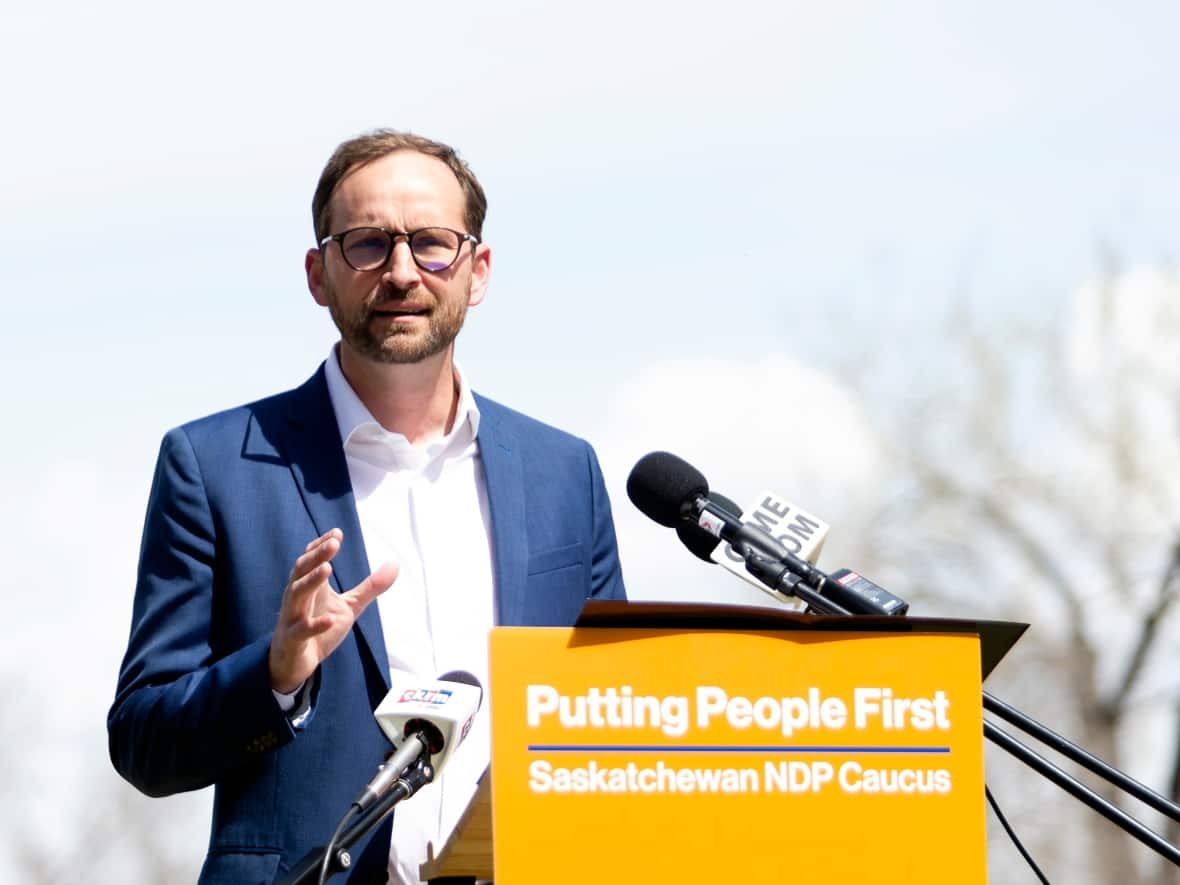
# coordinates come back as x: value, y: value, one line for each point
x: 316, y: 456
x: 506, y: 506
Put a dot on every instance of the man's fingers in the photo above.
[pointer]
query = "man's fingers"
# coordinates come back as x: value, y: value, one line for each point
x: 330, y: 533
x: 318, y: 552
x: 311, y: 581
x: 373, y: 586
x: 305, y: 614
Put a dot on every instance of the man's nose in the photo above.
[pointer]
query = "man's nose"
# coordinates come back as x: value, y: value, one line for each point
x: 401, y: 270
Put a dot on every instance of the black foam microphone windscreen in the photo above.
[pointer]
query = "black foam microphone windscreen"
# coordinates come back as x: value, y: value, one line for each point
x: 463, y: 677
x: 660, y: 483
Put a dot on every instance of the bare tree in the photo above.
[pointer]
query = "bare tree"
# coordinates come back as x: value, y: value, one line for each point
x: 1028, y: 489
x: 113, y: 834
x: 72, y: 819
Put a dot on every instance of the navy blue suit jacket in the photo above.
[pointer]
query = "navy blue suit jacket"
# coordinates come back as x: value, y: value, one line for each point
x: 235, y: 499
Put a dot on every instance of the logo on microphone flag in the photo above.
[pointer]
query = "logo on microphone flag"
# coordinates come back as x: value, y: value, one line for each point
x: 433, y: 696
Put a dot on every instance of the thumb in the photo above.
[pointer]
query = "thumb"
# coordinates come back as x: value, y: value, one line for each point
x: 374, y: 585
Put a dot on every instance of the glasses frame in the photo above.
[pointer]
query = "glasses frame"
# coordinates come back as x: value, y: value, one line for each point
x: 394, y: 236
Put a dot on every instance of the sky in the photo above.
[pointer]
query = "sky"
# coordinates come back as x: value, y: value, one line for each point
x: 697, y: 212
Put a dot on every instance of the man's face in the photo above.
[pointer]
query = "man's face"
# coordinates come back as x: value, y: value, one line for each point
x: 398, y: 313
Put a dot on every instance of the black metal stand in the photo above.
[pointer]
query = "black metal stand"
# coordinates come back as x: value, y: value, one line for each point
x: 1080, y: 791
x: 306, y: 871
x: 780, y: 579
x: 1082, y: 757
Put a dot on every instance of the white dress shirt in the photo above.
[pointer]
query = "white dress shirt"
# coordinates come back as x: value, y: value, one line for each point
x: 426, y: 507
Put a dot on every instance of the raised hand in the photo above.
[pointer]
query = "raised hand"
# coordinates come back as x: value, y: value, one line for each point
x: 314, y: 618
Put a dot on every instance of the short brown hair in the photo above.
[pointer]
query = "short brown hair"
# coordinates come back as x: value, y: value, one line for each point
x: 379, y: 143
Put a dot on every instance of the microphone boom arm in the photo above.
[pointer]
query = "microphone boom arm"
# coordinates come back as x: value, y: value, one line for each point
x: 779, y: 577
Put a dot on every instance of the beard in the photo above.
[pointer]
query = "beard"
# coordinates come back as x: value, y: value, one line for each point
x: 393, y: 342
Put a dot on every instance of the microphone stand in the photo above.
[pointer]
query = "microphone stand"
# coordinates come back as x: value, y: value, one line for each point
x: 306, y: 871
x: 778, y: 577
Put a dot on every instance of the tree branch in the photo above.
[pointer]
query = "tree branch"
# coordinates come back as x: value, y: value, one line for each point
x: 1169, y: 588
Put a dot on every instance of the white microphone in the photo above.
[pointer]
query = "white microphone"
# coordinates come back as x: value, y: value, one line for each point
x: 430, y: 717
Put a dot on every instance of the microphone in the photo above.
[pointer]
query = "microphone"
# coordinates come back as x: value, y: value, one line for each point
x: 699, y: 542
x: 426, y: 721
x: 706, y: 546
x: 861, y: 596
x: 799, y: 531
x: 670, y: 491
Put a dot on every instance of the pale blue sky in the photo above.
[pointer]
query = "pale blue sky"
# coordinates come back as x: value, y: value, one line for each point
x: 677, y: 192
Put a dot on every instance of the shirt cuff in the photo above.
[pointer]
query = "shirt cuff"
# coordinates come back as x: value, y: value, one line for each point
x: 296, y: 705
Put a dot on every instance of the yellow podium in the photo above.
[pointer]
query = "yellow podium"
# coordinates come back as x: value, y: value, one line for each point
x: 657, y: 742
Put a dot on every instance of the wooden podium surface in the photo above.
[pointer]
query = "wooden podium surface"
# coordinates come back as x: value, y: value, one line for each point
x: 468, y: 851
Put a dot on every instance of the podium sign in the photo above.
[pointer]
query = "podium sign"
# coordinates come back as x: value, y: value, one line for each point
x: 657, y: 755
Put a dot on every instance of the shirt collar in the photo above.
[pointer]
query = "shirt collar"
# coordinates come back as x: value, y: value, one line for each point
x: 351, y: 413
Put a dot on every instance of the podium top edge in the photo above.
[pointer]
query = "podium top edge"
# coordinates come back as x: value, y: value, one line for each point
x: 996, y: 637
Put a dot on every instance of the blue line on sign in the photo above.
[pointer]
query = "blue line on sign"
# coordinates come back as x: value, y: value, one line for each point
x: 653, y: 748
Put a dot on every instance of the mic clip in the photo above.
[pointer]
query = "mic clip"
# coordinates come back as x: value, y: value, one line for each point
x: 416, y: 777
x: 778, y: 576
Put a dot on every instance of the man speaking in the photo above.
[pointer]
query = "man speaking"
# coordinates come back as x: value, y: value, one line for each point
x: 255, y: 658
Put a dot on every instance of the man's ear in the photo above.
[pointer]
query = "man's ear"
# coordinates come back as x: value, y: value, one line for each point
x: 313, y: 265
x: 481, y: 272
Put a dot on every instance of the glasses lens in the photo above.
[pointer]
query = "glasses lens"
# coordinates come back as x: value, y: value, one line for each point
x: 435, y: 248
x: 365, y: 248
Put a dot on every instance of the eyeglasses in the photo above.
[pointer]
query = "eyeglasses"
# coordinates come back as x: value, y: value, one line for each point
x: 433, y: 248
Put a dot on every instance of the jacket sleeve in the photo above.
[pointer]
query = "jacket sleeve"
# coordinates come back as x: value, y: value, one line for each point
x: 184, y: 713
x: 606, y: 575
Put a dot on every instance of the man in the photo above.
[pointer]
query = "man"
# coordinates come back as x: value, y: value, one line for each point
x: 255, y: 659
